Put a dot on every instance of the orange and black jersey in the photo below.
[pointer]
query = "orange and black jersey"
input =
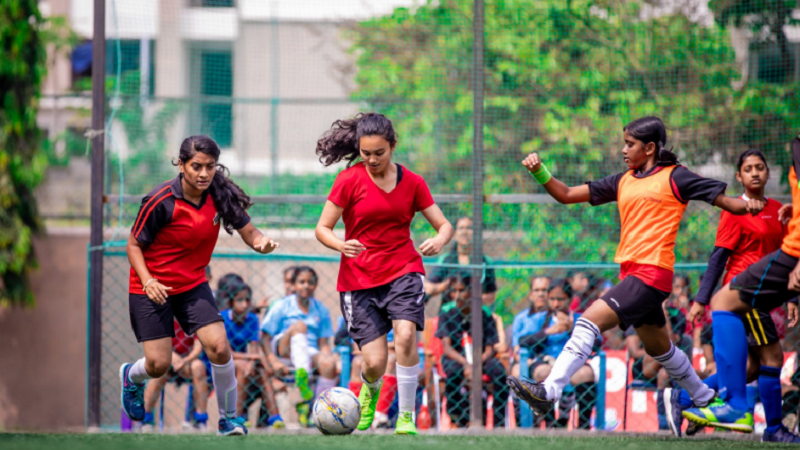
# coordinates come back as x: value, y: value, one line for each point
x: 178, y: 237
x: 791, y: 242
x: 651, y: 205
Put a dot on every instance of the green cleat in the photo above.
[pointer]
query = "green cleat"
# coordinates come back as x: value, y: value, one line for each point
x: 721, y: 415
x: 405, y: 424
x: 301, y: 379
x: 368, y: 403
x: 303, y: 411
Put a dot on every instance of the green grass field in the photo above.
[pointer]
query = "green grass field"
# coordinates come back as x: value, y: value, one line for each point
x: 12, y: 441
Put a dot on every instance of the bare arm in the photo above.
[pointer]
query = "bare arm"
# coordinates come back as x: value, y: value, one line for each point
x: 737, y: 206
x: 324, y: 346
x: 197, y: 349
x: 256, y: 240
x: 451, y: 353
x: 488, y: 351
x: 155, y: 291
x: 634, y: 349
x: 444, y: 231
x: 331, y: 214
x: 557, y: 189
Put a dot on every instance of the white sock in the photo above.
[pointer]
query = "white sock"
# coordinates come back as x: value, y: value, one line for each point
x: 323, y: 384
x: 298, y: 352
x: 572, y: 358
x: 407, y: 381
x: 224, y: 377
x: 374, y: 386
x: 678, y: 366
x: 138, y: 374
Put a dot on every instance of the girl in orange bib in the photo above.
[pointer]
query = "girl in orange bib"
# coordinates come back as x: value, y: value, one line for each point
x: 652, y: 196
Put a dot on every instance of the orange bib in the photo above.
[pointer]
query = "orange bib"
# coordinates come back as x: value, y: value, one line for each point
x: 791, y: 242
x: 650, y: 215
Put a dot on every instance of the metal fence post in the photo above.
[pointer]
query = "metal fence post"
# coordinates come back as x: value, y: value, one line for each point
x: 96, y: 240
x: 476, y: 258
x: 600, y: 405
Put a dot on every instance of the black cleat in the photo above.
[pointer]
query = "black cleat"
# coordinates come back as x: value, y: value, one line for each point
x: 532, y: 393
x: 694, y: 428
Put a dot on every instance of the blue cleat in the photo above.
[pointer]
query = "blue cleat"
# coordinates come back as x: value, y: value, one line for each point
x: 721, y: 415
x: 782, y: 435
x: 132, y: 395
x: 673, y: 410
x: 232, y: 427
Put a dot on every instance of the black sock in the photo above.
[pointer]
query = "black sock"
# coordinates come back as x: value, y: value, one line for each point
x: 586, y: 395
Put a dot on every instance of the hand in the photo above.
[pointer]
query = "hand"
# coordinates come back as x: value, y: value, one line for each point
x: 695, y: 312
x: 157, y: 292
x: 791, y: 314
x: 248, y: 367
x: 177, y: 362
x: 794, y: 279
x: 265, y: 245
x: 754, y: 206
x: 352, y: 248
x: 564, y: 322
x: 785, y: 213
x: 467, y: 372
x: 532, y: 162
x: 431, y: 247
x: 280, y: 368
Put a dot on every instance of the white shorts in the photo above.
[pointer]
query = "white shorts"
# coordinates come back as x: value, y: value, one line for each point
x: 312, y: 351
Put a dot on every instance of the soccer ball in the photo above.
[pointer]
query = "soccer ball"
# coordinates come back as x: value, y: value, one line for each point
x: 337, y: 411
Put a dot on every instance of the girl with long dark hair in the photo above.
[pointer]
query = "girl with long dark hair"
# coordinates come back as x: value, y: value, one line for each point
x: 169, y: 247
x: 652, y: 196
x: 381, y: 278
x: 747, y: 344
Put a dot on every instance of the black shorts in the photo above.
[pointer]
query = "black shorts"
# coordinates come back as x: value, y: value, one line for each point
x: 765, y: 284
x: 760, y: 328
x: 194, y: 309
x: 369, y: 312
x: 636, y: 303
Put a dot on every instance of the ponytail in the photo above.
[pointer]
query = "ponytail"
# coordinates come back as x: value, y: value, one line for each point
x: 341, y: 142
x: 229, y: 199
x: 651, y: 129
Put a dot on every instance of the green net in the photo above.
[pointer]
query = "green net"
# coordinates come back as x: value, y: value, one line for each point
x: 265, y: 79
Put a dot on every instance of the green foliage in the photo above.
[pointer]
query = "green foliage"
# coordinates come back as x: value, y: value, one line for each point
x: 562, y: 79
x: 22, y: 67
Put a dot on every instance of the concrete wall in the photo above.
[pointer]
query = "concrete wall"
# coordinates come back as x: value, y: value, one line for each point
x: 43, y: 362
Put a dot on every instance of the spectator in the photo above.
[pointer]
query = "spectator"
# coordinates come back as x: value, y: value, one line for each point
x: 222, y: 293
x: 538, y: 293
x: 537, y: 297
x: 297, y: 330
x: 545, y: 334
x: 455, y: 326
x: 252, y: 369
x: 438, y: 282
x: 185, y: 353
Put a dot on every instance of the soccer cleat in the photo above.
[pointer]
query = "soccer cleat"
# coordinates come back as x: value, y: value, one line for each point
x: 132, y: 395
x: 301, y: 379
x: 694, y: 428
x: 405, y: 424
x: 276, y: 422
x: 368, y: 403
x: 782, y: 435
x: 531, y: 393
x: 721, y: 415
x: 232, y: 427
x: 673, y: 410
x: 303, y: 411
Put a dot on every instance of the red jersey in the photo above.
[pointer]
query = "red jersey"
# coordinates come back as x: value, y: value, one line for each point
x: 748, y: 237
x: 178, y: 235
x: 381, y: 221
x: 182, y: 343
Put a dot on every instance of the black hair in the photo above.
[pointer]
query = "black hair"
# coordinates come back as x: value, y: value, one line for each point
x: 230, y: 285
x: 303, y: 269
x: 341, y: 141
x: 748, y: 153
x: 677, y: 321
x: 651, y: 129
x: 230, y: 200
x: 290, y: 269
x: 685, y: 278
x: 560, y: 284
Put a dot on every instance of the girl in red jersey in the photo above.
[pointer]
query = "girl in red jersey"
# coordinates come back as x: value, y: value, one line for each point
x: 381, y: 279
x: 652, y: 196
x: 169, y: 248
x: 742, y: 241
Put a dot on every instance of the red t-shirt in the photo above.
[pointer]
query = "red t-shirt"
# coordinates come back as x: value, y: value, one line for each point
x: 178, y: 235
x: 381, y: 221
x: 182, y: 343
x: 749, y: 238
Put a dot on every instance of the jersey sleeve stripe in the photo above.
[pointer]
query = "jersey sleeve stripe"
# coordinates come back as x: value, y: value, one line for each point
x: 153, y: 205
x: 139, y: 220
x: 675, y: 190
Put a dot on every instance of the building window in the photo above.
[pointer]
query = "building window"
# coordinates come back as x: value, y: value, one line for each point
x: 212, y: 3
x: 129, y: 59
x: 212, y: 87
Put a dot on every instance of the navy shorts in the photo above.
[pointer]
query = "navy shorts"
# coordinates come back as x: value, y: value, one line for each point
x: 368, y: 313
x: 761, y: 329
x: 765, y: 284
x: 636, y: 303
x: 193, y: 309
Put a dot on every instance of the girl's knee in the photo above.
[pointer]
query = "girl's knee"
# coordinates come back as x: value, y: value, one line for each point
x: 157, y: 367
x: 218, y: 351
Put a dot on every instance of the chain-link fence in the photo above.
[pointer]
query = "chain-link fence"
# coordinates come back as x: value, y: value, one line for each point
x: 265, y: 79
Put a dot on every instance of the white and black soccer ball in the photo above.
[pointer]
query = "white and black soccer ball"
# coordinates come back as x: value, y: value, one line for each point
x: 337, y: 411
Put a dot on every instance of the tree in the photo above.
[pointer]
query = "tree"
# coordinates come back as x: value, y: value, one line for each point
x: 22, y: 68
